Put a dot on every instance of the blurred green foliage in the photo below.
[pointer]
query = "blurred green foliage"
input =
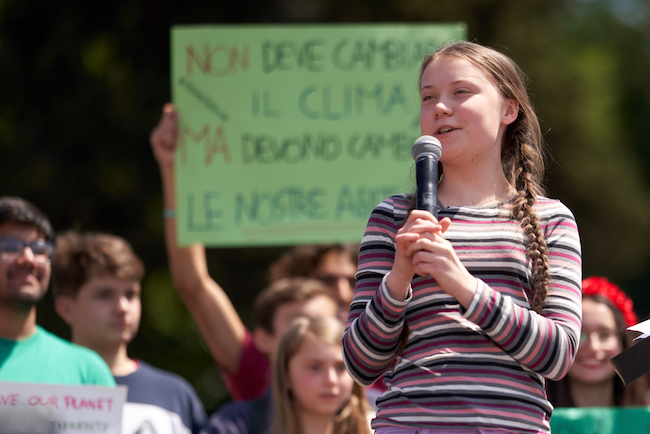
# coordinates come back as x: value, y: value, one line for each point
x: 83, y: 84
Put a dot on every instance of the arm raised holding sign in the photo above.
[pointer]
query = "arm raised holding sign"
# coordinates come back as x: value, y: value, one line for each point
x: 223, y: 331
x: 242, y: 355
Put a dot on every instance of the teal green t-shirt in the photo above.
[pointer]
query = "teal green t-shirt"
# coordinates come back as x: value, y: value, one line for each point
x: 600, y: 420
x: 46, y: 358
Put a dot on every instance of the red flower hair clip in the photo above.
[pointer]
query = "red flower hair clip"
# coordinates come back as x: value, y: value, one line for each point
x: 596, y: 285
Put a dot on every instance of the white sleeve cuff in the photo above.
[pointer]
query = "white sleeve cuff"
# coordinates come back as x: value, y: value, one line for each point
x: 392, y: 300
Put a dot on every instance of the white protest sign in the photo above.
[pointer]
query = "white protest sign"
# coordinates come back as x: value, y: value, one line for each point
x: 642, y: 327
x: 46, y: 408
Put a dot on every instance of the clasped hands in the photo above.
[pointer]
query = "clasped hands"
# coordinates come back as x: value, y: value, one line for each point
x: 421, y: 248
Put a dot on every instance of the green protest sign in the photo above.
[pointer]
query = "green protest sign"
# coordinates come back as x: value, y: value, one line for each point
x: 595, y: 420
x: 293, y: 134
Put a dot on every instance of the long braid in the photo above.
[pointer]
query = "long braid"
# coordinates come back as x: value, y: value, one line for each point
x: 522, y: 159
x: 524, y: 212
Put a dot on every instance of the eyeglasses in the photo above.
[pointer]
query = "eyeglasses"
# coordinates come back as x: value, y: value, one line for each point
x: 13, y: 248
x: 606, y: 338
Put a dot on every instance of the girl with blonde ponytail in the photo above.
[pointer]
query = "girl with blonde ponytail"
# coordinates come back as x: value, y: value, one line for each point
x: 467, y: 315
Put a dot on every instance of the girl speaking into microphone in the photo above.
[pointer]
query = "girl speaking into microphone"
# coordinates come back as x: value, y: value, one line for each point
x: 467, y: 315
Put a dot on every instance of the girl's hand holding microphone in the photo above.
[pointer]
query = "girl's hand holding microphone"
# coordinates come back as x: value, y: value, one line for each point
x: 422, y: 249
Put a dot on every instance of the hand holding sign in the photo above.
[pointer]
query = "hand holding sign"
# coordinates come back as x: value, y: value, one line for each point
x: 164, y: 137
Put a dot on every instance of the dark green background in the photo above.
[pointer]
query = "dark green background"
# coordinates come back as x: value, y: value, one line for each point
x: 82, y: 84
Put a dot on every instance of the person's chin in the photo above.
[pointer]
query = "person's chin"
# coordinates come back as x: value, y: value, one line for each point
x: 124, y: 336
x: 26, y: 299
x: 114, y: 340
x: 594, y: 374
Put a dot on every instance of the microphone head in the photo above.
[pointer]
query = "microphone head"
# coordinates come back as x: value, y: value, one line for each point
x: 427, y: 145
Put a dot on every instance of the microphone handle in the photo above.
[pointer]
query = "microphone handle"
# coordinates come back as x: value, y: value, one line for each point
x: 426, y: 178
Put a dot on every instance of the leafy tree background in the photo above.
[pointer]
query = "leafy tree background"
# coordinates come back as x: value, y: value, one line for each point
x: 83, y: 84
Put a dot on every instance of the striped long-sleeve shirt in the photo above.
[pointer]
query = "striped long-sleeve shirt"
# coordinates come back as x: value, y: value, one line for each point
x: 483, y: 367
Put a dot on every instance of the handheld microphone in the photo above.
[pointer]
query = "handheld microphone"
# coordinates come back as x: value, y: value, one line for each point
x: 426, y: 151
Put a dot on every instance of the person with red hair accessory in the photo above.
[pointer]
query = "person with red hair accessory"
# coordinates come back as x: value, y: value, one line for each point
x: 595, y: 285
x: 592, y: 382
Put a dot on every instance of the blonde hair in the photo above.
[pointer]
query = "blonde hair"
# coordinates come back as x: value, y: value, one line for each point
x: 522, y: 152
x: 351, y: 418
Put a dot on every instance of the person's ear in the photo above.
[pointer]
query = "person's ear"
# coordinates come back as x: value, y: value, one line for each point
x: 64, y: 306
x: 263, y: 340
x: 512, y: 111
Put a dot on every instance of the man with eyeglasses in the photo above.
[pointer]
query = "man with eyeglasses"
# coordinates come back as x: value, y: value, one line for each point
x: 28, y: 353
